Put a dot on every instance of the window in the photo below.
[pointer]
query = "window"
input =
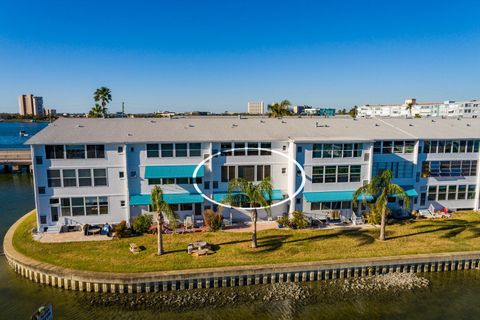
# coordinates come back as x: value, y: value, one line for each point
x: 317, y: 151
x: 409, y: 146
x: 206, y: 185
x: 154, y: 181
x: 186, y: 207
x: 69, y: 178
x: 327, y: 151
x: 317, y: 174
x: 65, y: 206
x: 181, y: 181
x: 195, y: 149
x: 167, y: 150
x: 38, y: 160
x: 299, y: 149
x: 449, y: 168
x: 357, y: 149
x: 181, y: 150
x: 132, y: 149
x: 448, y: 146
x: 103, y: 205
x: 342, y: 174
x: 91, y: 206
x: 348, y: 150
x: 239, y: 149
x: 265, y: 145
x: 471, y: 192
x: 252, y: 149
x: 84, y: 177
x: 120, y: 149
x: 100, y: 177
x: 133, y: 174
x: 75, y: 151
x: 263, y: 171
x: 398, y: 146
x: 96, y: 151
x: 153, y: 150
x: 215, y: 184
x: 41, y: 190
x: 423, y: 198
x: 225, y: 147
x: 121, y: 174
x: 337, y: 150
x: 315, y: 206
x: 452, y: 192
x: 43, y: 219
x: 432, y: 193
x: 54, y: 201
x: 228, y: 173
x: 246, y: 172
x: 377, y: 147
x: 284, y: 170
x: 54, y: 214
x: 122, y: 203
x: 355, y: 172
x: 442, y: 192
x: 78, y: 207
x: 54, y: 151
x: 462, y: 192
x: 387, y: 147
x: 54, y: 179
x: 330, y: 174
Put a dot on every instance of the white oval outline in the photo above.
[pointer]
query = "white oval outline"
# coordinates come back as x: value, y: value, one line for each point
x: 299, y: 189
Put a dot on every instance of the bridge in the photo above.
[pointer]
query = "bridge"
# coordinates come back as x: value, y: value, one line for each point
x: 15, y: 159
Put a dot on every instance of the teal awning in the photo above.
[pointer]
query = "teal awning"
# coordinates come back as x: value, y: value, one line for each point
x: 170, y: 198
x: 185, y: 171
x: 276, y: 195
x: 329, y: 196
x: 410, y: 191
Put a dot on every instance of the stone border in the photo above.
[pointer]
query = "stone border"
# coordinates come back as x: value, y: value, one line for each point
x: 90, y: 281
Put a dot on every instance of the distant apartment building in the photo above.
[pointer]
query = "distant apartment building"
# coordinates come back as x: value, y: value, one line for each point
x: 29, y: 104
x: 308, y: 110
x: 50, y: 112
x: 467, y: 109
x: 256, y: 107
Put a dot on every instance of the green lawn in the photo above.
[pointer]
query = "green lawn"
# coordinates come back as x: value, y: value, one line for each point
x: 461, y: 233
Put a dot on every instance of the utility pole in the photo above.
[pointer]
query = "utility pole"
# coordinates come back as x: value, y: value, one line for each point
x: 123, y: 107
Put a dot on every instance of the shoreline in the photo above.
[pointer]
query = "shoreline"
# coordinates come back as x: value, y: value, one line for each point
x: 91, y: 281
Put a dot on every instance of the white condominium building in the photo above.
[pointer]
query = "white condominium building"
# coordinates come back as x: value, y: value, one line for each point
x: 102, y: 170
x: 467, y: 109
x: 256, y: 108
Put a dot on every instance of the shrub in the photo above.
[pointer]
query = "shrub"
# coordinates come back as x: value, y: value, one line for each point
x: 213, y: 220
x: 284, y: 221
x: 298, y: 221
x: 121, y: 229
x: 142, y: 223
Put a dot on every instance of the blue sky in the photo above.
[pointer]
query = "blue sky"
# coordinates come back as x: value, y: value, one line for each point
x: 217, y: 55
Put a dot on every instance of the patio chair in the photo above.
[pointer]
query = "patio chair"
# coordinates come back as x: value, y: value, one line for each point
x: 188, y: 223
x: 428, y: 213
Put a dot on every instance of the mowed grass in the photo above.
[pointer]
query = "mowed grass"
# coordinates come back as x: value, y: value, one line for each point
x: 461, y: 233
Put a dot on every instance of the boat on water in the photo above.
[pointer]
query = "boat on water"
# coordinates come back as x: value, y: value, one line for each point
x: 23, y: 133
x: 43, y: 313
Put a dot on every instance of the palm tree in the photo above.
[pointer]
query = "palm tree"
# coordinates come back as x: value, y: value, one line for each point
x: 279, y: 109
x: 96, y: 112
x: 104, y: 96
x: 353, y: 112
x: 254, y: 195
x: 381, y: 187
x: 162, y: 208
x: 409, y: 106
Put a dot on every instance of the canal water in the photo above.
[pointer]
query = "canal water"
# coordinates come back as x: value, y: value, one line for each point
x: 10, y: 137
x: 452, y: 295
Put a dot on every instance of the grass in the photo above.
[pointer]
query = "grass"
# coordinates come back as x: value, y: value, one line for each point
x: 461, y: 233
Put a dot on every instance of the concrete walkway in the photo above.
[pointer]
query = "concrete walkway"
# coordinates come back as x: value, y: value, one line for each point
x: 76, y: 236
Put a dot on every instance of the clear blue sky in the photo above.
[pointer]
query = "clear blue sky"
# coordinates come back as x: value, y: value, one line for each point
x: 217, y: 55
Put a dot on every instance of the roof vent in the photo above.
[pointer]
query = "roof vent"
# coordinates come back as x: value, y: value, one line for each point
x: 468, y: 124
x: 433, y: 120
x: 191, y: 125
x: 377, y: 125
x: 79, y: 126
x: 130, y: 135
x: 283, y: 121
x: 153, y: 121
x: 262, y: 121
x: 234, y: 125
x: 410, y: 124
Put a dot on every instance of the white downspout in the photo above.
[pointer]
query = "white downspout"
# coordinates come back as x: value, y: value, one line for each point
x: 291, y: 174
x: 477, y: 189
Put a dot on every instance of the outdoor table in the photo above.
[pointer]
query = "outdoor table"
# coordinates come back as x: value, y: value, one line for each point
x: 94, y: 230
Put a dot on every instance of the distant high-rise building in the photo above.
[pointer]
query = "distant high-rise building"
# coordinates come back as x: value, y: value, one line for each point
x: 255, y: 107
x: 28, y: 104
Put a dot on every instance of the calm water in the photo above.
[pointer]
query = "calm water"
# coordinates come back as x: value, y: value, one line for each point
x: 10, y: 137
x: 452, y: 295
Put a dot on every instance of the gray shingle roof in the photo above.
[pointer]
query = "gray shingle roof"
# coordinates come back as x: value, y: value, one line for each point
x: 74, y: 130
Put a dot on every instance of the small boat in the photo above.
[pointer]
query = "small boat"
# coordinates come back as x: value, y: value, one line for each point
x: 43, y: 313
x: 22, y: 133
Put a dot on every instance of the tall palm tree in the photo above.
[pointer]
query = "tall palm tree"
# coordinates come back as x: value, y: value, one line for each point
x: 279, y: 109
x: 161, y: 207
x: 409, y: 106
x: 104, y: 96
x: 353, y: 112
x: 253, y: 195
x: 381, y: 187
x: 96, y: 112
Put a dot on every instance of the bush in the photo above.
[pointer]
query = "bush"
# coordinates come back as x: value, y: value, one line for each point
x: 213, y: 220
x: 142, y: 223
x: 298, y: 221
x: 121, y: 229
